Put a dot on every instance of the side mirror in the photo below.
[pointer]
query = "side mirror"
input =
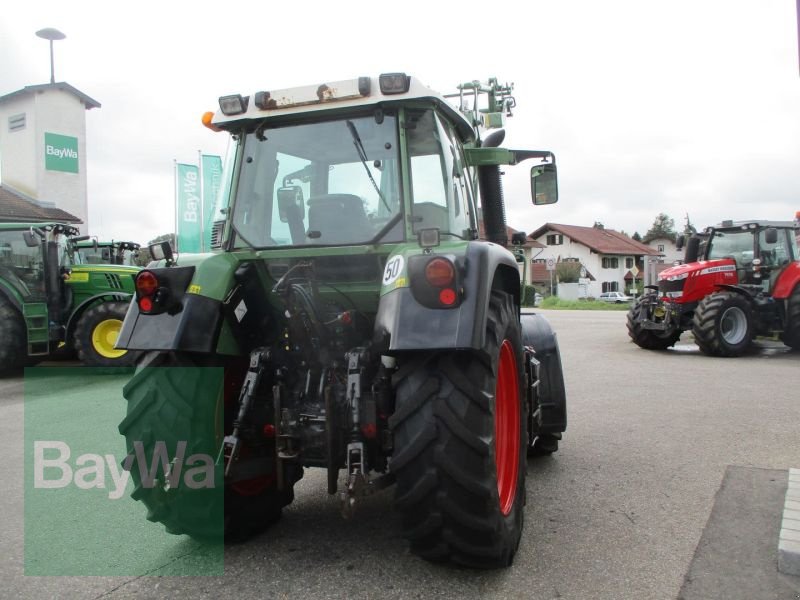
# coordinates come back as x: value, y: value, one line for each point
x: 544, y: 184
x: 291, y: 205
x: 161, y: 251
x: 680, y: 242
x: 31, y: 240
x: 771, y: 235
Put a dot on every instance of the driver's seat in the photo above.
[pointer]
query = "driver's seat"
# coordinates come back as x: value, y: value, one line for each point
x: 337, y: 219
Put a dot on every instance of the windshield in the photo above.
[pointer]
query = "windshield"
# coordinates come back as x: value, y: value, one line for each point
x: 327, y: 183
x: 737, y: 245
x: 20, y: 264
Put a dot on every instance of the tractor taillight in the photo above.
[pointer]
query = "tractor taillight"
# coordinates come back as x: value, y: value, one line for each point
x: 440, y: 272
x: 447, y: 296
x: 146, y: 284
x: 145, y: 304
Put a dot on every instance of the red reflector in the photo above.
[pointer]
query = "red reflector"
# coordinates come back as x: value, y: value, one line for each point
x: 440, y: 272
x: 369, y: 430
x: 269, y: 430
x: 145, y: 304
x: 447, y: 296
x: 146, y: 283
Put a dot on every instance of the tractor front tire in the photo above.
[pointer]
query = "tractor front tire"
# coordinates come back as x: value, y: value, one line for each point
x: 97, y: 332
x: 723, y: 324
x: 460, y: 433
x: 649, y: 339
x: 791, y: 336
x: 12, y: 338
x: 169, y: 402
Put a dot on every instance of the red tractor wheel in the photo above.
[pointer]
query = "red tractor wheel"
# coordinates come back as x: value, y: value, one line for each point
x: 791, y: 335
x: 723, y: 324
x: 460, y: 427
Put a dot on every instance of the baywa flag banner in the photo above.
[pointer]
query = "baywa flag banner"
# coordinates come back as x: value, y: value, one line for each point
x: 212, y: 176
x: 189, y: 209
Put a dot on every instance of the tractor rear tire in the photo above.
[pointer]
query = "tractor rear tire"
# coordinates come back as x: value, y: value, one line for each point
x: 96, y: 334
x: 649, y: 339
x: 12, y: 338
x: 460, y: 433
x: 163, y: 406
x: 723, y: 324
x: 791, y: 337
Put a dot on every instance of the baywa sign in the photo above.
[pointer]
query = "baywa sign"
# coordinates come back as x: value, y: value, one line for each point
x: 60, y: 153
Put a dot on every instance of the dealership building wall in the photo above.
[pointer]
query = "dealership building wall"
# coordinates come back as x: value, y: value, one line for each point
x: 43, y: 146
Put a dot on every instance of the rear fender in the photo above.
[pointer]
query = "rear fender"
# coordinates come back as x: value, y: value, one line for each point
x: 787, y: 280
x: 192, y: 326
x: 548, y: 412
x: 403, y: 324
x: 89, y: 302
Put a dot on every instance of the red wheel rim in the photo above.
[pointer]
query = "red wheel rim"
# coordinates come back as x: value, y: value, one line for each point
x: 506, y: 427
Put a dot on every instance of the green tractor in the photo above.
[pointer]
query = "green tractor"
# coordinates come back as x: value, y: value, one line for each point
x: 362, y: 325
x: 93, y: 252
x: 50, y: 306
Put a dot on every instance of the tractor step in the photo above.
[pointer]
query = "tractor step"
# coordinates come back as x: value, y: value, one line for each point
x: 38, y: 329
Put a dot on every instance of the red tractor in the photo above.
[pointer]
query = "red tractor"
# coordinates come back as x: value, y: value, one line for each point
x: 739, y: 280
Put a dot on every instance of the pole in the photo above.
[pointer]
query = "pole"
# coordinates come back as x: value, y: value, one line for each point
x: 202, y: 202
x: 175, y: 213
x: 52, y: 68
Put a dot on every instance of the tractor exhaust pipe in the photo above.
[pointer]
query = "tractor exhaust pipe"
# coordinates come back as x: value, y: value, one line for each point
x: 491, y: 187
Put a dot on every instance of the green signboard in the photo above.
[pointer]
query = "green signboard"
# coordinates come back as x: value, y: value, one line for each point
x: 60, y: 153
x: 189, y: 207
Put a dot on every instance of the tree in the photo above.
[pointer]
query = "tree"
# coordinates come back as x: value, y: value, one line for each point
x: 568, y: 271
x: 663, y: 227
x: 636, y: 236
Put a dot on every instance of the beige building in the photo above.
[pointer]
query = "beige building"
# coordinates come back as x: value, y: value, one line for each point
x: 43, y: 147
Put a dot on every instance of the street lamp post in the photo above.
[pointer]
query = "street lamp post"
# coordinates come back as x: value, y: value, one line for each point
x: 49, y: 33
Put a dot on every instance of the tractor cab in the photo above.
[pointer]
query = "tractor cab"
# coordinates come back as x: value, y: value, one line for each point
x: 760, y: 250
x: 93, y: 252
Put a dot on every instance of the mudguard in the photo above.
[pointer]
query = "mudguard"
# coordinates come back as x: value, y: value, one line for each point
x: 405, y: 324
x: 194, y: 329
x: 81, y: 308
x: 552, y: 398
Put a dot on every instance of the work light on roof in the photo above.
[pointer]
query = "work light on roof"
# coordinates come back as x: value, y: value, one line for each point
x: 233, y: 105
x: 394, y: 83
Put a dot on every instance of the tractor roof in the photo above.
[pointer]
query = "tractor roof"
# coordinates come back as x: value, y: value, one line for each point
x: 754, y: 224
x: 69, y: 229
x: 111, y: 244
x: 350, y: 93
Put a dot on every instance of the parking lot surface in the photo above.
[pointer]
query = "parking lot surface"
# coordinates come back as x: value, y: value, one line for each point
x: 617, y: 513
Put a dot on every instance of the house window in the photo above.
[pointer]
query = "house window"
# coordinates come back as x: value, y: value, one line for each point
x: 16, y: 122
x: 661, y: 247
x: 610, y: 286
x: 611, y: 262
x: 555, y: 239
x: 629, y: 263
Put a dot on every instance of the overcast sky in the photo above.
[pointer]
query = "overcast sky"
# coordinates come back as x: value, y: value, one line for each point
x: 670, y: 106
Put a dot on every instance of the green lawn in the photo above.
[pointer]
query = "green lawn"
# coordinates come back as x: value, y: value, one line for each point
x: 558, y: 304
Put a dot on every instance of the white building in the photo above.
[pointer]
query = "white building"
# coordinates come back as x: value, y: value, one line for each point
x: 611, y: 260
x: 43, y: 146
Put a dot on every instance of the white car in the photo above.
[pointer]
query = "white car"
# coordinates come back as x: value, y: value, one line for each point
x: 614, y: 297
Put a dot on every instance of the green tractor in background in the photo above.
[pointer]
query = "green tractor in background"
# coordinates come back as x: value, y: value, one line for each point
x: 50, y: 306
x: 93, y: 252
x: 362, y: 325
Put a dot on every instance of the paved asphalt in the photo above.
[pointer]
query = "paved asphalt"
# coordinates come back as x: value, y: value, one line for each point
x: 617, y: 513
